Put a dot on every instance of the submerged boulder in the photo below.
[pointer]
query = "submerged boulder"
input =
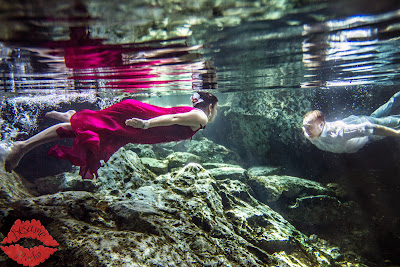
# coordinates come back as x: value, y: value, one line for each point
x: 66, y: 181
x: 155, y: 165
x: 143, y: 151
x: 263, y: 171
x: 223, y: 215
x: 185, y: 218
x: 233, y: 172
x: 13, y: 186
x: 212, y: 152
x: 122, y: 173
x: 271, y: 188
x: 315, y: 208
x: 180, y: 159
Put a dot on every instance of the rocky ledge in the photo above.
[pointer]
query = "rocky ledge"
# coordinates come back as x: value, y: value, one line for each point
x: 170, y: 211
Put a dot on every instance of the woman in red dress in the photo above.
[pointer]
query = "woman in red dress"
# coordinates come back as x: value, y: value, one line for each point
x: 99, y: 134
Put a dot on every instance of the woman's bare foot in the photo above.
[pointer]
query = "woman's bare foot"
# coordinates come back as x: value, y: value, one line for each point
x: 61, y: 116
x: 14, y: 156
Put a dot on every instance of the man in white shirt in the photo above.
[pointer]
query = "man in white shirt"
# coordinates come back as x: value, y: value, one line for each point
x: 352, y: 133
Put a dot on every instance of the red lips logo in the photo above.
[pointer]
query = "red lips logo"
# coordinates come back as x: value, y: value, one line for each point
x: 25, y: 256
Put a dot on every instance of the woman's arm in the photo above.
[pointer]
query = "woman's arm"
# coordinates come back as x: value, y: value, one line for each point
x: 194, y: 119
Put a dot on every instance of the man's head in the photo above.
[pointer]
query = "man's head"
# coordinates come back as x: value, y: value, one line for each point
x: 313, y: 124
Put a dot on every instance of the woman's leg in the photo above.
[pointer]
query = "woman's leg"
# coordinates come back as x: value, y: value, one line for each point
x: 61, y: 116
x: 20, y: 148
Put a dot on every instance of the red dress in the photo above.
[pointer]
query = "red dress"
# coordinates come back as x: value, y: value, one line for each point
x: 99, y: 134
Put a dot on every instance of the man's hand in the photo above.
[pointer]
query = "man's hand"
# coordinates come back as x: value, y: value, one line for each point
x: 135, y: 123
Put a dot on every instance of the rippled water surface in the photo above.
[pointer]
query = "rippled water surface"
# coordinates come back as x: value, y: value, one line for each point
x: 139, y: 47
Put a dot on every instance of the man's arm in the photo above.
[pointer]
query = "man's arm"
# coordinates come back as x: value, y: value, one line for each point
x: 194, y: 119
x: 367, y: 129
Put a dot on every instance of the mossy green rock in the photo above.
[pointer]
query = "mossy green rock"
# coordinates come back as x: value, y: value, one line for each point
x: 262, y: 171
x: 232, y: 172
x: 271, y: 188
x: 212, y: 152
x: 186, y: 218
x: 155, y: 165
x: 180, y: 159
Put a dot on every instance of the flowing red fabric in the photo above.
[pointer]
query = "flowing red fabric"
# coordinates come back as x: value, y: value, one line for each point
x: 99, y: 134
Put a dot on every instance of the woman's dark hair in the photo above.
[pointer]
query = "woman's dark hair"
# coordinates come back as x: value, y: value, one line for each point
x: 208, y: 99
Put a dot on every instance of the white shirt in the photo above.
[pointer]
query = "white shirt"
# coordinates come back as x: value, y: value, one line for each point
x: 340, y: 137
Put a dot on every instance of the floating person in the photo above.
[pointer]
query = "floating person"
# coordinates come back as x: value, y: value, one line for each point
x: 99, y: 134
x: 354, y: 132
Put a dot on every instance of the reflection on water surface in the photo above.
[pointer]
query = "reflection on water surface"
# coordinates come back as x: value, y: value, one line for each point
x: 73, y: 47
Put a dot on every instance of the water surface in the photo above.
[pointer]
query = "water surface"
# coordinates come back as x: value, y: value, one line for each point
x: 102, y: 47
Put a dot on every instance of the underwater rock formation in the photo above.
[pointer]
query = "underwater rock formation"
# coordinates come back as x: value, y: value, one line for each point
x: 183, y: 16
x: 313, y: 208
x: 272, y: 188
x: 232, y: 172
x: 182, y: 218
x: 66, y: 181
x: 155, y: 165
x: 263, y: 127
x: 13, y: 187
x: 180, y: 159
x: 209, y: 151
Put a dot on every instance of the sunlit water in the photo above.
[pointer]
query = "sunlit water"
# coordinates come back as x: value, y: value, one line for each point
x: 318, y: 46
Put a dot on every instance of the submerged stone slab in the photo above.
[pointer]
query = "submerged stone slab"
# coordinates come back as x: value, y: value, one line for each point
x: 13, y: 186
x: 155, y: 165
x: 210, y: 151
x: 180, y: 159
x: 216, y: 165
x: 263, y: 171
x: 122, y: 173
x: 68, y: 181
x: 271, y: 188
x: 232, y: 172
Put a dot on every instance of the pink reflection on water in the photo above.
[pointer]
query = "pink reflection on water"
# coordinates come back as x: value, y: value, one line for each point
x: 125, y: 67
